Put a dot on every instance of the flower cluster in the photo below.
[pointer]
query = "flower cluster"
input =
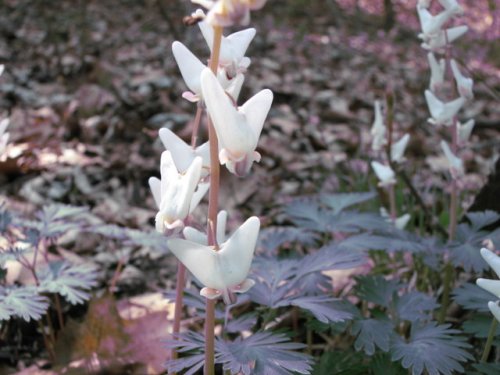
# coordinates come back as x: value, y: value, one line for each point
x: 186, y: 169
x: 437, y: 40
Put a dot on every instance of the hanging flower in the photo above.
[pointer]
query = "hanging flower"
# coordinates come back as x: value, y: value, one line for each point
x: 439, y: 40
x: 432, y: 24
x: 455, y: 164
x: 238, y: 128
x: 195, y: 235
x: 384, y: 173
x: 464, y: 131
x: 493, y: 260
x: 176, y: 195
x: 229, y: 12
x: 442, y: 113
x: 398, y: 149
x: 464, y: 84
x: 400, y: 222
x: 4, y: 136
x: 223, y: 271
x: 437, y: 72
x: 183, y: 154
x: 451, y: 5
x: 378, y: 128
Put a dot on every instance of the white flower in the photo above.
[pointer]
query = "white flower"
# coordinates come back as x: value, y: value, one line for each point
x: 4, y: 136
x: 452, y: 6
x: 229, y: 12
x: 439, y: 40
x: 378, y: 128
x: 464, y: 131
x: 183, y: 154
x: 442, y: 113
x: 232, y: 49
x: 432, y: 24
x: 223, y: 271
x: 464, y: 84
x: 175, y: 194
x: 493, y: 260
x: 238, y: 129
x: 384, y: 173
x: 191, y: 68
x: 398, y: 149
x: 455, y: 164
x: 400, y: 222
x: 437, y: 71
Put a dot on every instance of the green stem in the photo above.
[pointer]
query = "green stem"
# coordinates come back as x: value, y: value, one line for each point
x: 489, y: 341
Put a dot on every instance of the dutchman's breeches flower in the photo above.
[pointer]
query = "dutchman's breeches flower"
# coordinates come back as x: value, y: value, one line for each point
x: 442, y: 113
x: 229, y: 12
x: 238, y: 128
x: 492, y: 286
x: 378, y: 129
x: 384, y: 173
x: 176, y: 194
x: 222, y: 271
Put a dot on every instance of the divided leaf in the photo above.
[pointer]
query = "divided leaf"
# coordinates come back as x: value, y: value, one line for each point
x: 376, y: 289
x: 24, y: 302
x: 372, y: 333
x: 415, y: 306
x: 325, y: 309
x: 473, y: 297
x: 70, y: 281
x: 339, y: 202
x: 431, y: 348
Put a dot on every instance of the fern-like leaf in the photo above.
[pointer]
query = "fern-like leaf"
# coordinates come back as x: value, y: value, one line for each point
x: 24, y: 302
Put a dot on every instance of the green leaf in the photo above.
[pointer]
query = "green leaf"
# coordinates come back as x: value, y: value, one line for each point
x: 372, y: 333
x: 479, y: 325
x: 339, y: 202
x: 473, y: 297
x: 431, y: 348
x: 415, y: 306
x: 341, y: 363
x: 376, y: 289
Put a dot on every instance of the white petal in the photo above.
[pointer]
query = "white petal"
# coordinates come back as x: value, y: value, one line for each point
x: 231, y: 127
x: 492, y: 259
x: 454, y: 163
x: 495, y: 309
x: 189, y: 65
x: 198, y: 195
x: 464, y: 84
x: 465, y: 130
x: 402, y: 221
x: 195, y: 235
x: 378, y: 128
x: 384, y: 173
x: 221, y: 226
x: 437, y: 71
x: 182, y: 153
x: 155, y: 186
x: 431, y: 24
x: 437, y: 41
x: 236, y: 253
x: 451, y: 5
x: 442, y: 113
x: 398, y: 149
x: 237, y: 44
x: 256, y: 109
x: 200, y: 260
x: 3, y: 125
x: 492, y: 286
x: 233, y: 87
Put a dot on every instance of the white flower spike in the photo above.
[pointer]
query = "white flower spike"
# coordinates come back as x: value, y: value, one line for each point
x: 464, y: 84
x: 436, y: 42
x: 384, y: 173
x: 223, y: 271
x: 398, y: 149
x: 378, y: 128
x: 442, y: 113
x: 455, y: 164
x: 176, y: 194
x: 183, y: 154
x: 238, y: 129
x: 437, y: 72
x: 493, y: 260
x: 464, y: 131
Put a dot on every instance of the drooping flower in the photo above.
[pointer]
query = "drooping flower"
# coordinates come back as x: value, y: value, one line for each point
x: 493, y: 260
x: 191, y: 68
x: 451, y: 5
x: 400, y: 222
x: 229, y: 12
x: 464, y: 131
x: 398, y: 149
x: 183, y: 154
x: 384, y: 173
x: 238, y: 128
x: 223, y: 271
x: 176, y: 195
x: 442, y: 113
x: 4, y: 136
x: 378, y: 129
x: 455, y: 164
x: 437, y: 72
x: 439, y: 40
x: 464, y: 84
x: 232, y: 49
x: 432, y: 24
x: 194, y: 235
